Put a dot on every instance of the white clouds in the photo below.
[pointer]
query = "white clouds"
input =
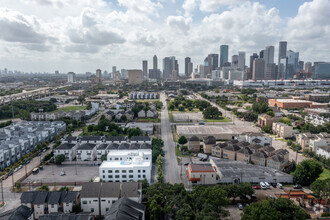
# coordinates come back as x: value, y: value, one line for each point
x: 141, y: 6
x: 179, y: 23
x: 16, y: 27
x: 214, y: 5
x: 189, y: 6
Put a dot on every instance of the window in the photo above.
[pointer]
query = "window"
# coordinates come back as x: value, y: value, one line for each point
x: 130, y: 171
x: 116, y: 171
x: 103, y: 200
x: 147, y: 158
x: 103, y: 171
x: 95, y: 200
x: 139, y: 171
x: 106, y: 209
x: 130, y: 176
x: 92, y: 209
x: 89, y: 201
x: 123, y: 171
x: 117, y: 176
x: 144, y: 176
x: 116, y: 158
x: 109, y: 171
x: 123, y: 176
x: 103, y: 176
x: 144, y: 171
x: 109, y: 176
x: 139, y: 176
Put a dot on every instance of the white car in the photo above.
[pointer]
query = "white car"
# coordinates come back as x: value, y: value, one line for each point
x: 279, y: 185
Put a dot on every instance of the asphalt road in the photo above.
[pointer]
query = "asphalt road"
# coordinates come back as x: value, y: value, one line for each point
x: 171, y: 168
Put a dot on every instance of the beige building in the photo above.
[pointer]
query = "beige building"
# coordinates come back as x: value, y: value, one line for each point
x: 194, y: 144
x: 217, y: 149
x: 202, y: 174
x: 244, y: 155
x: 259, y: 158
x: 279, y: 160
x: 135, y: 77
x: 282, y: 130
x: 208, y: 143
x: 229, y: 152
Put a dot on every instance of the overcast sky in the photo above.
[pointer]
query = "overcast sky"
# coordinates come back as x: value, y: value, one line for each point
x: 83, y: 35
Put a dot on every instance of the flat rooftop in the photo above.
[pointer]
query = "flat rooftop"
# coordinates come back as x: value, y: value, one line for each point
x: 124, y: 164
x: 232, y: 168
x: 293, y: 100
x: 211, y: 129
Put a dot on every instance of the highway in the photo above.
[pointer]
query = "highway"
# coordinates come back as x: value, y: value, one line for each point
x: 171, y: 167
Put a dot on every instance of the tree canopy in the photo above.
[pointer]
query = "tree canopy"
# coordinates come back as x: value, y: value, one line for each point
x: 212, y: 113
x: 307, y: 172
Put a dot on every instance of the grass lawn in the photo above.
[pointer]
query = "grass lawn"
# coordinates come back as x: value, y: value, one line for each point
x: 325, y: 174
x: 154, y: 120
x: 170, y: 117
x: 186, y: 110
x: 224, y: 119
x: 72, y: 108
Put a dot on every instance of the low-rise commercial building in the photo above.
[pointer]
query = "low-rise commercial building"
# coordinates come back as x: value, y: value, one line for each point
x: 201, y: 174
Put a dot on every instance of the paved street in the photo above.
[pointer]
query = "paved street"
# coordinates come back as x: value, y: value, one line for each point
x: 277, y: 144
x: 171, y: 168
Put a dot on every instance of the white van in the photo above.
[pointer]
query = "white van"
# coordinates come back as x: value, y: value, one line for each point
x: 279, y: 185
x: 263, y: 185
x: 267, y: 185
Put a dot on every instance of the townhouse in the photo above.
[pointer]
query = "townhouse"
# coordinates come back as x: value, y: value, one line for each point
x: 194, y: 144
x: 208, y: 142
x: 282, y: 130
x: 255, y: 138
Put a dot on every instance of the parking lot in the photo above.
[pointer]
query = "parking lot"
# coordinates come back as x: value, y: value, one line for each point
x: 185, y: 117
x: 51, y: 174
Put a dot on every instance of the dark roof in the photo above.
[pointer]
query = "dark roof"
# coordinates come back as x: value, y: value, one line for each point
x: 113, y: 146
x: 260, y: 154
x: 70, y: 138
x: 28, y: 197
x: 102, y: 146
x: 255, y: 146
x: 124, y: 146
x: 125, y: 209
x: 145, y: 146
x: 134, y: 146
x: 232, y: 147
x: 210, y: 140
x: 115, y: 138
x: 196, y: 167
x: 243, y: 143
x: 69, y: 196
x: 245, y: 150
x: 91, y: 138
x: 20, y: 213
x: 277, y: 157
x: 194, y: 138
x: 233, y: 141
x: 140, y: 138
x: 65, y: 146
x: 281, y: 152
x: 268, y: 149
x: 110, y: 189
x: 131, y: 189
x: 54, y: 197
x: 256, y: 140
x: 221, y: 145
x: 87, y: 146
x: 41, y: 198
x: 67, y: 216
x: 90, y: 190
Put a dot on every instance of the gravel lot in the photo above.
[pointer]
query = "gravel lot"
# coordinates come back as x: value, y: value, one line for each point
x: 184, y: 117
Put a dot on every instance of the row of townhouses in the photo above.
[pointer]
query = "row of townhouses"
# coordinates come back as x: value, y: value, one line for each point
x: 20, y: 138
x: 316, y: 119
x: 143, y: 95
x: 318, y: 143
x: 90, y: 148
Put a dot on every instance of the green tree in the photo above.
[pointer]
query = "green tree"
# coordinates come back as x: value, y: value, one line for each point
x: 43, y: 188
x: 18, y: 185
x: 104, y: 157
x: 59, y: 159
x: 53, y: 100
x: 321, y: 188
x: 181, y: 108
x: 212, y: 113
x: 307, y: 172
x: 64, y: 188
x: 278, y: 209
x: 182, y: 140
x: 267, y: 129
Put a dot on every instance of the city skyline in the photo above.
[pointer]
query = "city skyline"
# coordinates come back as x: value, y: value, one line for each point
x: 44, y: 36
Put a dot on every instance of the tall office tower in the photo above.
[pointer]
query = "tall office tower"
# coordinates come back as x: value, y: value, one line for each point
x: 223, y: 55
x: 253, y: 57
x: 269, y: 55
x: 212, y: 61
x: 300, y: 65
x: 57, y: 72
x: 114, y: 69
x: 135, y: 77
x: 291, y: 63
x: 241, y: 60
x: 190, y: 68
x: 98, y: 73
x: 234, y: 60
x: 281, y: 63
x: 168, y: 67
x: 145, y: 68
x: 308, y: 67
x: 155, y: 62
x: 123, y: 74
x: 270, y: 71
x: 187, y: 60
x: 322, y: 70
x: 175, y: 75
x: 71, y: 77
x: 176, y: 65
x: 258, y: 69
x: 261, y: 54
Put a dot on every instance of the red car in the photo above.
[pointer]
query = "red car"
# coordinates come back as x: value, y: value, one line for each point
x: 256, y: 187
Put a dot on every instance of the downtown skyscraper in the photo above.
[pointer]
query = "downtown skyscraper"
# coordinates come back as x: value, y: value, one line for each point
x: 223, y: 55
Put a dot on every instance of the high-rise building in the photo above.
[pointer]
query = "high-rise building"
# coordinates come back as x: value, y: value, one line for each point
x: 57, y: 72
x: 135, y: 77
x: 252, y: 58
x: 114, y: 69
x: 190, y: 68
x: 258, y: 72
x: 145, y: 68
x: 300, y: 65
x: 322, y: 70
x: 212, y: 61
x: 71, y: 77
x: 261, y: 54
x: 281, y: 64
x: 291, y: 63
x: 269, y: 55
x: 241, y: 60
x: 308, y: 67
x: 223, y: 55
x: 168, y: 67
x: 270, y: 71
x: 187, y: 60
x: 98, y: 74
x: 155, y: 62
x: 234, y: 60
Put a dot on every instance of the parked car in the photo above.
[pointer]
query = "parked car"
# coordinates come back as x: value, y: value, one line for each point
x: 256, y: 187
x: 267, y: 185
x: 273, y: 185
x: 279, y: 185
x: 10, y: 173
x: 186, y: 164
x: 297, y: 186
x: 240, y: 206
x: 263, y: 185
x: 253, y: 197
x: 27, y: 162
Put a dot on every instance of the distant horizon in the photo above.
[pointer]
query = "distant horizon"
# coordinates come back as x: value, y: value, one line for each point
x: 83, y: 35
